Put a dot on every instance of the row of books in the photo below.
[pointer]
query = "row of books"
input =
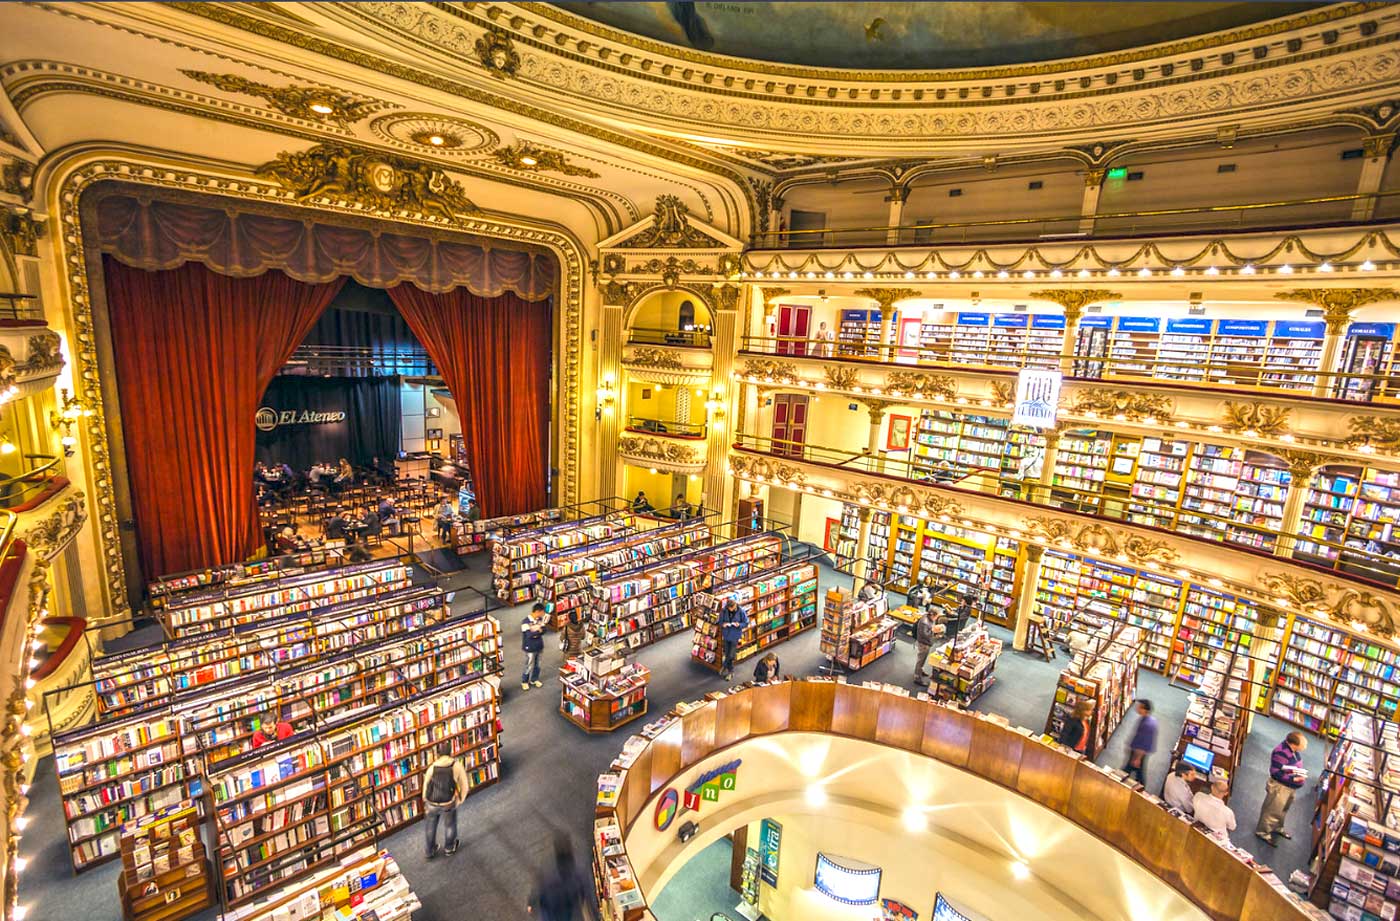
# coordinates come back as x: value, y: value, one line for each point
x: 780, y: 604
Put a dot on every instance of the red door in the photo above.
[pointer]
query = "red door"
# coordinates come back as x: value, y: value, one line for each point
x: 789, y: 424
x: 794, y: 323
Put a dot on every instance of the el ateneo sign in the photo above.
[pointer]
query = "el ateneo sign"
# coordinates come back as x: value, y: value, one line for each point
x: 1037, y: 398
x: 266, y: 419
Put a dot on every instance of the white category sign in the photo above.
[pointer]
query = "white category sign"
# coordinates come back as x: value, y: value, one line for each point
x: 268, y: 418
x: 1037, y: 398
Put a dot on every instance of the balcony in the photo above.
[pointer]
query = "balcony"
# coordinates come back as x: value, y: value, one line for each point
x: 688, y: 430
x: 40, y: 480
x: 694, y: 338
x: 995, y: 498
x: 669, y: 363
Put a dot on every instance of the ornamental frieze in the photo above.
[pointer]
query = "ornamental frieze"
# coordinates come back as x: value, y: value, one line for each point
x: 650, y: 357
x: 1136, y: 407
x: 660, y: 452
x: 917, y: 384
x: 761, y: 468
x: 51, y: 534
x: 840, y: 378
x: 1346, y: 605
x: 45, y: 352
x: 769, y: 371
x: 1097, y: 539
x: 370, y: 179
x: 311, y: 103
x: 1376, y: 431
x: 670, y: 229
x: 1259, y: 418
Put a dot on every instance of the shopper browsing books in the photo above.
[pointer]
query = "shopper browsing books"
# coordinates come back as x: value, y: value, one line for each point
x: 767, y: 668
x: 270, y: 728
x: 1176, y: 792
x: 445, y: 784
x: 927, y: 631
x: 1210, y: 810
x: 532, y: 644
x: 731, y: 630
x: 1074, y: 733
x: 1143, y: 743
x: 571, y: 637
x: 445, y: 516
x: 1286, y: 775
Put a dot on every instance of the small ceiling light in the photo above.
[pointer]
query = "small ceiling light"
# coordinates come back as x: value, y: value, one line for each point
x: 930, y: 275
x: 915, y: 820
x: 1113, y: 272
x: 1212, y: 271
x: 1285, y: 269
x: 869, y: 275
x: 955, y: 274
x: 816, y: 796
x: 1020, y: 869
x: 527, y: 160
x: 1003, y: 274
x: 1248, y: 269
x: 811, y: 274
x: 757, y: 274
x: 1056, y: 273
x: 321, y: 108
x: 1325, y: 267
x: 438, y: 140
x: 847, y: 275
x: 1083, y: 273
x: 1368, y: 266
x: 977, y: 274
x: 908, y: 274
x: 1178, y: 272
x: 1144, y: 272
x: 1027, y: 274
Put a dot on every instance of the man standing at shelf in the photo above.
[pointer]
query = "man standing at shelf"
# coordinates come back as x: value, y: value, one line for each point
x: 1286, y: 775
x: 1144, y: 742
x: 446, y: 514
x: 927, y: 630
x: 532, y: 644
x: 445, y: 784
x: 733, y: 620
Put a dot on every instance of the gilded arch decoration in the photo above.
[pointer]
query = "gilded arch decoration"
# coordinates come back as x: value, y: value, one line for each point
x: 77, y: 259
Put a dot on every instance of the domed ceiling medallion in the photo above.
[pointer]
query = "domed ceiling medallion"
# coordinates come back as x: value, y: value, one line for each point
x: 420, y: 132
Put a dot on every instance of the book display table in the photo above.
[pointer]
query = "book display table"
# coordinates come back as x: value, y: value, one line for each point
x: 165, y: 873
x: 601, y: 691
x: 963, y: 669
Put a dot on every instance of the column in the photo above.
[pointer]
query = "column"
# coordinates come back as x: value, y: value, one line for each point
x: 1073, y: 301
x: 1301, y: 467
x: 861, y: 566
x: 775, y: 221
x: 1089, y: 206
x: 885, y: 299
x: 607, y: 412
x: 896, y: 199
x: 718, y: 491
x: 1337, y: 305
x: 1025, y: 601
x: 1040, y: 493
x: 876, y: 408
x: 1377, y: 150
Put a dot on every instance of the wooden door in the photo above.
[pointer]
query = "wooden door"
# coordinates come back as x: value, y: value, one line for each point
x: 794, y: 326
x: 789, y: 424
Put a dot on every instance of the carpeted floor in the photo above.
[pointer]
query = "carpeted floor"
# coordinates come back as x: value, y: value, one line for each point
x: 701, y: 889
x: 549, y: 768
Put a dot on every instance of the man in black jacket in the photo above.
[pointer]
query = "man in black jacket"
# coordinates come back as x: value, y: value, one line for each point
x: 532, y: 644
x: 927, y: 631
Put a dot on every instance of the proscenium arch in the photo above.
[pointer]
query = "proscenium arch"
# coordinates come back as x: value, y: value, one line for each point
x: 66, y: 175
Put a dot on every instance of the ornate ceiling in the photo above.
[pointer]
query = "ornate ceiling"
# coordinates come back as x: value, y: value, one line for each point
x: 921, y: 36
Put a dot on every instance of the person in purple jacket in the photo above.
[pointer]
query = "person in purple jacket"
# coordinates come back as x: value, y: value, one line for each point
x: 1286, y: 775
x: 1144, y: 742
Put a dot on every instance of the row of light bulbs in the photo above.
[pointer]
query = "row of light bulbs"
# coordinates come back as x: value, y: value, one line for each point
x: 1176, y: 272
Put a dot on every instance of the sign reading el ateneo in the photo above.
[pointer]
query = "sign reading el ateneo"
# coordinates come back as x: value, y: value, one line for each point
x: 266, y: 419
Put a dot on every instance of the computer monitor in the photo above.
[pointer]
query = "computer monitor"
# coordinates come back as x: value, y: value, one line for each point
x: 1199, y: 758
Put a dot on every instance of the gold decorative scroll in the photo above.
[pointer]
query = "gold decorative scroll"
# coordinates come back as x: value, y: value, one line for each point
x: 1259, y: 418
x: 370, y: 179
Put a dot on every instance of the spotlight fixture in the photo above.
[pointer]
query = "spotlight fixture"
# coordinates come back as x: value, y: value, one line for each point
x: 436, y: 140
x: 322, y: 108
x: 527, y: 160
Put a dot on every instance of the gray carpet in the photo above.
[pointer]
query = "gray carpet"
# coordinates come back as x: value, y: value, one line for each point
x: 701, y: 889
x: 549, y: 768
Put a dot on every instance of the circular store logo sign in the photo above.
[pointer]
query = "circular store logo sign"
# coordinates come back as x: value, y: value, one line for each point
x: 265, y: 419
x: 666, y: 809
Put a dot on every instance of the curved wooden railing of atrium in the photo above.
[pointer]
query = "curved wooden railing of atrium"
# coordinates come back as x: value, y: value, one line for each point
x: 1194, y: 864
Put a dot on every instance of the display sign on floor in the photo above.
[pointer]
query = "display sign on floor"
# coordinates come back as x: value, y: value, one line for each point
x: 770, y: 840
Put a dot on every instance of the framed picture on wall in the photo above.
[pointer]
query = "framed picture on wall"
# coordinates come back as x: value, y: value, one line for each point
x: 897, y: 436
x: 833, y: 528
x: 434, y: 433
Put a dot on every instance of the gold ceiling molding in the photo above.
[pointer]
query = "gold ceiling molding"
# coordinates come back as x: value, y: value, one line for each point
x: 1100, y: 540
x: 1338, y: 303
x: 670, y: 229
x: 1258, y: 418
x: 671, y: 269
x: 1074, y: 300
x: 1135, y: 407
x: 20, y: 232
x: 370, y: 180
x: 919, y: 384
x: 904, y: 499
x: 497, y: 53
x: 74, y: 177
x: 763, y: 469
x: 531, y: 158
x: 661, y: 452
x: 1345, y: 605
x: 16, y: 176
x: 45, y: 353
x: 415, y: 131
x: 887, y: 297
x: 314, y: 104
x: 1302, y: 464
x: 770, y: 371
x: 1377, y: 431
x: 839, y: 377
x: 650, y: 357
x: 772, y: 295
x: 1003, y: 392
x: 621, y: 294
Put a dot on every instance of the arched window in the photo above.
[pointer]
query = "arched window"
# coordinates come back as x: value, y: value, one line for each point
x: 685, y: 318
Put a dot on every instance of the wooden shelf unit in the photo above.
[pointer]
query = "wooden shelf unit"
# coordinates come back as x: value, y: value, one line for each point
x: 165, y: 872
x: 360, y: 885
x: 855, y: 633
x: 474, y: 536
x: 602, y: 703
x: 781, y: 603
x: 1326, y: 672
x: 1104, y: 673
x: 1218, y: 715
x: 173, y: 590
x: 516, y: 560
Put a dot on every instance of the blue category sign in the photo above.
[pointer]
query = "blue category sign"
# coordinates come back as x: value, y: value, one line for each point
x: 1012, y: 320
x: 1299, y: 329
x: 1371, y: 329
x: 1047, y: 321
x: 974, y: 319
x: 1249, y: 328
x: 770, y: 842
x: 1097, y: 321
x: 1140, y: 324
x: 1198, y: 326
x: 858, y: 314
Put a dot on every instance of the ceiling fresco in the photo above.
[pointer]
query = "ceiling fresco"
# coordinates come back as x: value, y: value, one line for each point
x: 922, y: 36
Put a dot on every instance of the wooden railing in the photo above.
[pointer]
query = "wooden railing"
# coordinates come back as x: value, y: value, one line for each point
x: 1182, y: 856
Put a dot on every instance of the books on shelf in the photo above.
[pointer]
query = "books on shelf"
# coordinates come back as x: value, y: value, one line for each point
x: 1219, y: 711
x: 602, y: 697
x: 781, y: 603
x: 1326, y: 673
x: 363, y: 884
x: 963, y: 668
x: 165, y: 875
x: 1084, y: 594
x: 1103, y: 671
x: 471, y: 536
x: 170, y: 590
x: 855, y: 633
x: 516, y: 559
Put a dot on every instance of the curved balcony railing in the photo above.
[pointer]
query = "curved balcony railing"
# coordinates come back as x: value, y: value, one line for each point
x: 41, y: 478
x: 662, y: 427
x: 1318, y: 211
x: 1140, y: 511
x: 679, y: 338
x: 1311, y: 384
x: 1137, y: 826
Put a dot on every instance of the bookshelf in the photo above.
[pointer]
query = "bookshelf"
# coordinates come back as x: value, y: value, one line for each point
x: 963, y: 669
x: 1104, y: 672
x: 600, y: 690
x: 473, y: 536
x: 781, y: 603
x: 130, y: 681
x: 1157, y: 484
x: 290, y: 809
x: 982, y: 567
x: 1325, y: 672
x: 935, y: 341
x: 165, y: 872
x: 1008, y: 339
x: 646, y: 606
x: 516, y: 559
x: 172, y: 589
x: 855, y: 633
x: 566, y: 575
x: 1327, y: 512
x: 1081, y: 462
x: 847, y: 537
x: 1294, y: 349
x: 1208, y: 495
x: 1257, y: 508
x: 1045, y: 340
x: 1082, y: 593
x: 971, y: 338
x: 362, y: 885
x: 1372, y: 541
x: 1218, y: 714
x: 859, y: 333
x: 228, y: 606
x: 1186, y: 341
x: 1132, y: 346
x: 878, y: 547
x: 1213, y: 623
x: 1238, y: 352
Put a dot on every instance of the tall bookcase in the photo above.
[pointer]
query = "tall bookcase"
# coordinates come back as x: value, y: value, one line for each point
x: 228, y: 606
x: 855, y: 633
x: 516, y: 560
x: 859, y: 333
x: 1213, y: 623
x: 1088, y: 594
x: 646, y: 606
x: 473, y: 536
x: 781, y: 603
x: 1104, y: 672
x: 1325, y: 672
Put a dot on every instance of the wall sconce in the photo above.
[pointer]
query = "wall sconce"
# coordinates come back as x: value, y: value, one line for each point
x: 607, y: 395
x: 69, y: 411
x: 7, y: 446
x: 715, y: 407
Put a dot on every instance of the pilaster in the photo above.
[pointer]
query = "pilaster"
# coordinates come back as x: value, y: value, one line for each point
x: 1025, y: 601
x: 1337, y: 305
x: 608, y: 398
x: 1089, y: 205
x: 886, y: 298
x: 1377, y: 149
x: 723, y: 401
x: 1301, y: 467
x: 861, y: 567
x: 896, y: 200
x: 1073, y: 302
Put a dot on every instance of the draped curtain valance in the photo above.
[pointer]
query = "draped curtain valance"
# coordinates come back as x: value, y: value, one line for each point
x: 156, y: 234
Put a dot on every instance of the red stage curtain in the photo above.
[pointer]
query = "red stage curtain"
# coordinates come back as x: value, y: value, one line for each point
x: 194, y: 353
x: 494, y: 353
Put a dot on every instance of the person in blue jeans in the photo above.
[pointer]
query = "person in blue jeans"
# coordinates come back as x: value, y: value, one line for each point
x: 1143, y: 743
x: 532, y: 644
x: 732, y: 621
x: 445, y: 784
